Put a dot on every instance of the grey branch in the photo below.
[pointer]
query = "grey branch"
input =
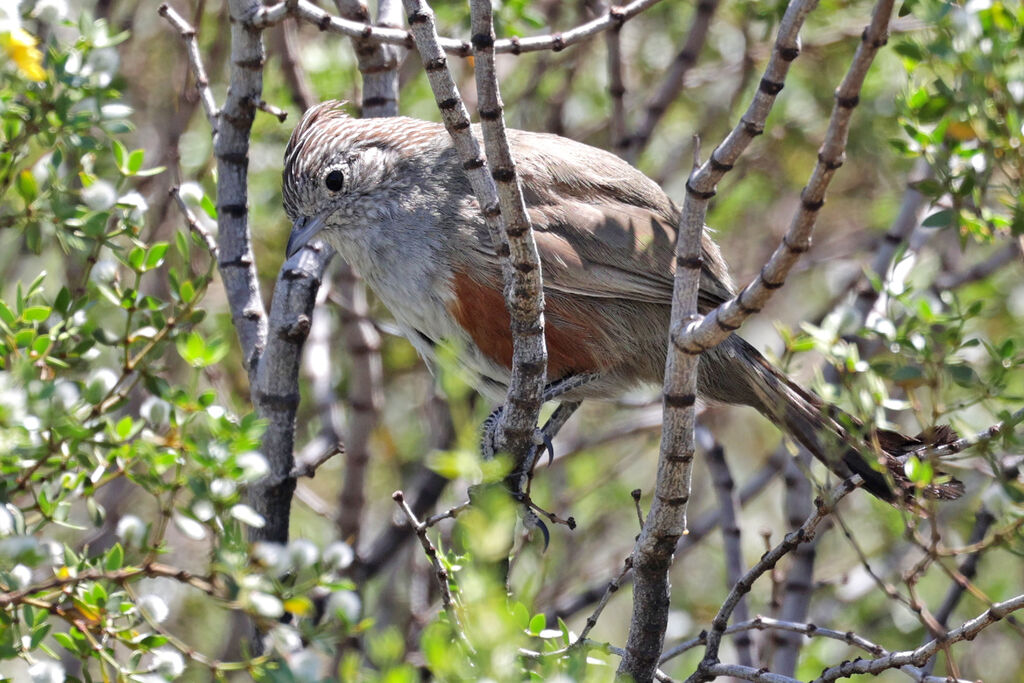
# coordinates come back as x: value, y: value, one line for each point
x: 717, y: 325
x: 307, y: 11
x: 921, y: 655
x: 447, y: 601
x: 195, y: 60
x: 674, y: 80
x: 728, y: 504
x: 194, y: 226
x: 666, y: 522
x: 804, y: 534
x: 524, y: 294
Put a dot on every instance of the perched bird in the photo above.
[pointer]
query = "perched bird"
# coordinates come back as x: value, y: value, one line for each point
x: 391, y: 196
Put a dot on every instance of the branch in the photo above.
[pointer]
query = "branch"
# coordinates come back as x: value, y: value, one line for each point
x: 675, y: 78
x: 720, y: 322
x: 195, y: 60
x: 728, y: 504
x: 652, y: 555
x: 919, y: 657
x: 697, y: 532
x: 524, y: 295
x: 804, y: 534
x: 307, y: 11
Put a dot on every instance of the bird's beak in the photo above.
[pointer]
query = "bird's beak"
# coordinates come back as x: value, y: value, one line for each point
x: 304, y: 229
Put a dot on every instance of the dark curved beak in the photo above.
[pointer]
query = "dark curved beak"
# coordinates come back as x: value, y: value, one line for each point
x: 303, y: 230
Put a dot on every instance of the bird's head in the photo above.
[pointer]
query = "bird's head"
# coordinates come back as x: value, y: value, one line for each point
x: 340, y: 173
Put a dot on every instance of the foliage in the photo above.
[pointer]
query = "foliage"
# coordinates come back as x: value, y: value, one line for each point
x: 127, y: 440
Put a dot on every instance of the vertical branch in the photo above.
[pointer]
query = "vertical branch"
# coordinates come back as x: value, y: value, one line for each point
x: 617, y: 89
x: 378, y: 64
x: 729, y: 507
x: 365, y: 397
x: 666, y: 522
x: 796, y: 590
x: 231, y: 147
x: 524, y: 294
x: 513, y: 434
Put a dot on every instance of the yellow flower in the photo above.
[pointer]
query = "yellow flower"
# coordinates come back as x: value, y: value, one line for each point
x: 20, y: 46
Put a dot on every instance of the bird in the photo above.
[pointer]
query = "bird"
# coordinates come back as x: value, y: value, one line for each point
x: 391, y: 196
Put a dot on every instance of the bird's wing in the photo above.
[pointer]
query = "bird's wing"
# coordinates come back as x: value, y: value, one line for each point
x: 603, y: 229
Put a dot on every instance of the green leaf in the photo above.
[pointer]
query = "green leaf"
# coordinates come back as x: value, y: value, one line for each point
x: 35, y: 314
x: 27, y: 186
x: 939, y: 219
x: 135, y: 160
x: 521, y: 615
x: 207, y: 205
x: 37, y: 636
x: 6, y: 314
x: 538, y: 623
x: 115, y: 558
x: 137, y: 259
x: 155, y: 255
x: 120, y: 156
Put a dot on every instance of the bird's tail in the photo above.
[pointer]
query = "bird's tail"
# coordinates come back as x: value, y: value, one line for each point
x: 833, y: 436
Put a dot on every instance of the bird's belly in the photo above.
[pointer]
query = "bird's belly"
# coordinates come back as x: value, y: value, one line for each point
x: 423, y: 315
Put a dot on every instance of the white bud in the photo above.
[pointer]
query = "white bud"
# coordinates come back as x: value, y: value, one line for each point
x: 254, y: 466
x: 99, y: 196
x: 345, y: 604
x: 46, y: 672
x: 167, y: 662
x: 154, y: 607
x: 302, y: 552
x: 339, y: 555
x: 131, y: 530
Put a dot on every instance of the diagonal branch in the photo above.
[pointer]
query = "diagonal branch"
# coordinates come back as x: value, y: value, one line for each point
x: 456, y: 120
x: 720, y: 323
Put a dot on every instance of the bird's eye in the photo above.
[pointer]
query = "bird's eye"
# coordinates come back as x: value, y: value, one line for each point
x: 334, y: 181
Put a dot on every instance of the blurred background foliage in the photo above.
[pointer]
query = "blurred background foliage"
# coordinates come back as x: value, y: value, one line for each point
x: 127, y: 436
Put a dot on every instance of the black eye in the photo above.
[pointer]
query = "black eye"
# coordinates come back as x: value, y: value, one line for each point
x: 334, y: 181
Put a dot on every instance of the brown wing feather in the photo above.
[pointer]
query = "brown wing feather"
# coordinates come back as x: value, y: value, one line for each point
x: 603, y: 228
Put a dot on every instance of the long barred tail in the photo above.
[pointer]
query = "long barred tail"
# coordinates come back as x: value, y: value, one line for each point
x: 838, y: 439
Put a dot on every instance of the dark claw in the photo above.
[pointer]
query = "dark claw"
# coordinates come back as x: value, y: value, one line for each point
x: 549, y: 446
x: 544, y: 531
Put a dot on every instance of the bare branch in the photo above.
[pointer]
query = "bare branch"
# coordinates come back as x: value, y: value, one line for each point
x: 555, y: 42
x: 195, y: 60
x: 804, y: 534
x: 921, y: 655
x: 193, y: 223
x: 447, y: 601
x: 719, y: 323
x: 617, y: 89
x: 674, y: 79
x: 524, y: 294
x: 728, y: 504
x: 666, y: 521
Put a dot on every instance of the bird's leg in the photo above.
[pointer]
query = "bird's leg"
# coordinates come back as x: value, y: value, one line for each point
x: 518, y: 480
x: 542, y: 436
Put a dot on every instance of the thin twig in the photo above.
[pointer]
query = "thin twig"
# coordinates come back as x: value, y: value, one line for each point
x: 675, y: 78
x: 193, y: 223
x: 447, y: 601
x: 307, y: 11
x: 806, y: 532
x: 524, y: 293
x: 919, y: 657
x: 719, y: 323
x: 195, y: 60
